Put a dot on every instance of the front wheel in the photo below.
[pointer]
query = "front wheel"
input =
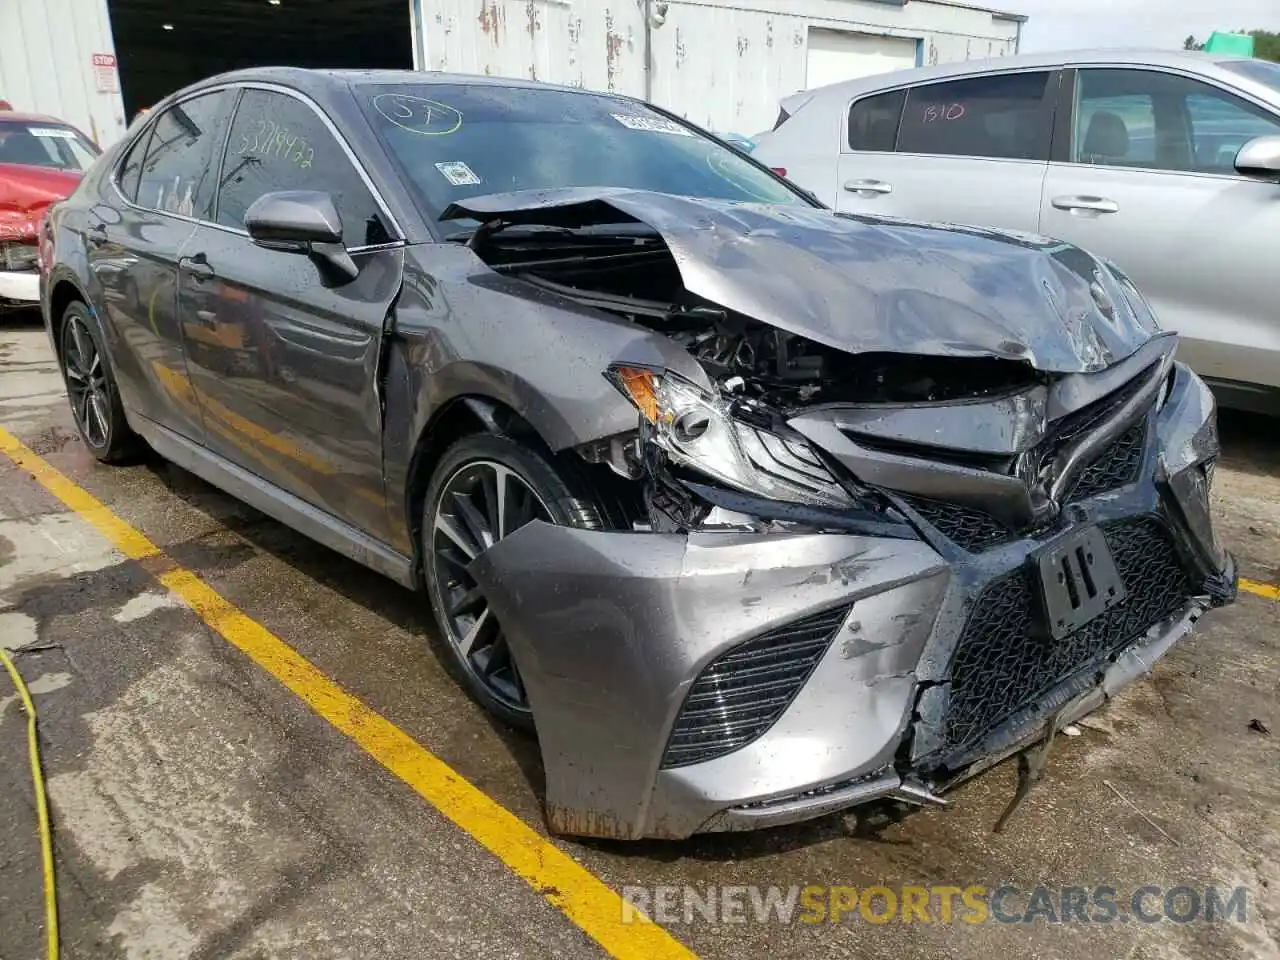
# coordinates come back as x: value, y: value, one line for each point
x: 486, y: 488
x: 91, y: 388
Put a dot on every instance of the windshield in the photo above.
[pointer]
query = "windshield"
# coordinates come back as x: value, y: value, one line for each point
x: 1260, y: 71
x: 50, y: 145
x: 458, y: 141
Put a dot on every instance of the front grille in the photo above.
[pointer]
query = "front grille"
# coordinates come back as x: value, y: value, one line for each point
x: 1003, y: 663
x: 742, y: 693
x: 1081, y: 421
x: 971, y: 529
x: 1117, y: 465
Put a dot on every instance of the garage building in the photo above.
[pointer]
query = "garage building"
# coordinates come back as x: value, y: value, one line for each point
x: 724, y: 64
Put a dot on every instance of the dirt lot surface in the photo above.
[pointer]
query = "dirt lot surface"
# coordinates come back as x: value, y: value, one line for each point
x: 203, y: 810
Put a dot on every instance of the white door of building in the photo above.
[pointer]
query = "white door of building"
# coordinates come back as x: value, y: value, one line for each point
x: 836, y: 55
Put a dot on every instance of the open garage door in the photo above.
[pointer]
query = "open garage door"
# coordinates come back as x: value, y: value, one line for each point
x: 163, y: 45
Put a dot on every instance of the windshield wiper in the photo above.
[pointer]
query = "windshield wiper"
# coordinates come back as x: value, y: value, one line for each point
x: 479, y: 237
x: 475, y: 239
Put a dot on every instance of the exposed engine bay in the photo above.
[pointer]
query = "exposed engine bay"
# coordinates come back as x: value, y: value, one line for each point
x: 764, y: 377
x: 632, y: 272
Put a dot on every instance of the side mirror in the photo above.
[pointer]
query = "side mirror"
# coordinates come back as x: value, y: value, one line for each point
x: 1260, y: 157
x: 302, y: 221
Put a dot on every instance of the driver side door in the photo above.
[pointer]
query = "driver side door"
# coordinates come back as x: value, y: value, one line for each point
x: 285, y: 364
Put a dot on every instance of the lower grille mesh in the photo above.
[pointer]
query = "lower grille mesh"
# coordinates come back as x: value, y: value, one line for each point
x: 971, y: 529
x: 1002, y: 663
x: 740, y: 695
x: 1118, y: 464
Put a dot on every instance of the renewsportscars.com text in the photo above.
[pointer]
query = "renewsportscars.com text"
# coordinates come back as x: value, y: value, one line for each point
x: 939, y: 904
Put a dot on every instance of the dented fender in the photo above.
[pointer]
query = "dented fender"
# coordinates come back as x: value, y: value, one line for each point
x: 611, y: 630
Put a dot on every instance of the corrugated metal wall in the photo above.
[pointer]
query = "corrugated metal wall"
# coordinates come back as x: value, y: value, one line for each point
x: 597, y: 44
x: 724, y: 64
x: 46, y: 63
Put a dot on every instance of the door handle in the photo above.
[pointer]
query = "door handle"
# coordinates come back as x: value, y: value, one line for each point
x: 96, y: 234
x: 197, y: 266
x: 868, y: 186
x: 1086, y: 204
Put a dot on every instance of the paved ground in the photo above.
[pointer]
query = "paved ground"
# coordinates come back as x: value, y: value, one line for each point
x: 202, y: 810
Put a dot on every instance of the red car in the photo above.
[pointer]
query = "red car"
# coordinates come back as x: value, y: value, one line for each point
x: 41, y: 160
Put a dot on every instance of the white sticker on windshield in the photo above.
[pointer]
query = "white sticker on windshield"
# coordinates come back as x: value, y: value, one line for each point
x: 60, y: 132
x: 458, y: 173
x: 651, y: 124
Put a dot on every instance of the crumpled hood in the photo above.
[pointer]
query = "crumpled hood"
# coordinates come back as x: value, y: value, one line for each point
x: 25, y: 194
x: 869, y: 285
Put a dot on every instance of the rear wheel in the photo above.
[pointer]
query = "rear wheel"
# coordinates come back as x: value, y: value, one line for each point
x: 484, y: 489
x: 91, y: 388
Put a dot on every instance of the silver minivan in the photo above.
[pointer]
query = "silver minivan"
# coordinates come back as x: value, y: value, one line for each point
x: 1166, y: 163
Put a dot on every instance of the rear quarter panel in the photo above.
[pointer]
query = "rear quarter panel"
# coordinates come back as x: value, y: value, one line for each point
x: 808, y: 146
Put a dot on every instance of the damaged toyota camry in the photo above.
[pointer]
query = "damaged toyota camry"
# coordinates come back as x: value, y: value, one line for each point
x: 751, y: 511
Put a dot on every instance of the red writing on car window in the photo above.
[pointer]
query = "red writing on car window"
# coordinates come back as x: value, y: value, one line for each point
x: 943, y: 111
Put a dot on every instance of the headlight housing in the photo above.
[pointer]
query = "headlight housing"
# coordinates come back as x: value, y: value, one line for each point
x: 19, y: 257
x: 699, y: 431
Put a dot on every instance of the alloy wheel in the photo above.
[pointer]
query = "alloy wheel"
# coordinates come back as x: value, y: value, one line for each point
x: 86, y: 383
x: 481, y: 503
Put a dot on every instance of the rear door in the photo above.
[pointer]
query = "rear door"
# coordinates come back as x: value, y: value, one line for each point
x: 972, y: 150
x: 1145, y: 176
x: 135, y: 235
x: 286, y: 369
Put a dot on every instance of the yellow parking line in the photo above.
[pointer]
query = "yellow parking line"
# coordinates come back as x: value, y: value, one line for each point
x: 565, y: 884
x: 1260, y: 589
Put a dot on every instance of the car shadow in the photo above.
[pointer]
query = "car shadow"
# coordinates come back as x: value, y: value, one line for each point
x: 20, y: 318
x: 407, y: 610
x: 867, y: 824
x: 1248, y: 442
x: 353, y: 581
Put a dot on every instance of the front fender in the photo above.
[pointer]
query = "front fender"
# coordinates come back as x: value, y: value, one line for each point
x: 462, y: 330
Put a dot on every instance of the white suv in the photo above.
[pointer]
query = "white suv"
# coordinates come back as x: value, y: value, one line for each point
x: 1166, y: 163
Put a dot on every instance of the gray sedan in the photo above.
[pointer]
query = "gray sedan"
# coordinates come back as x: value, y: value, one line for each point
x: 1167, y: 163
x: 752, y: 511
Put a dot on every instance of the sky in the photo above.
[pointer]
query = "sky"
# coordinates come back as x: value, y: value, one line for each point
x: 1067, y: 24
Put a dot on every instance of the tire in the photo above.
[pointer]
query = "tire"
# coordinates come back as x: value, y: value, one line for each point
x: 461, y: 615
x: 91, y: 388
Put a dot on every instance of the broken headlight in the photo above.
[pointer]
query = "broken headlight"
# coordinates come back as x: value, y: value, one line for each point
x: 18, y: 257
x: 698, y: 431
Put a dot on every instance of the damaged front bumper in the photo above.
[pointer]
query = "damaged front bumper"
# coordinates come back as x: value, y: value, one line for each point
x: 724, y: 680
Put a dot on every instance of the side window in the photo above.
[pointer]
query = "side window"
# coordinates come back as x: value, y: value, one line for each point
x: 1119, y: 131
x: 1004, y: 116
x: 131, y: 169
x: 874, y: 121
x: 1220, y: 126
x: 177, y: 175
x: 279, y: 143
x: 1161, y: 121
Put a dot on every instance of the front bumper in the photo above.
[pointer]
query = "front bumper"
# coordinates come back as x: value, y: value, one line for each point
x: 23, y: 288
x: 711, y: 681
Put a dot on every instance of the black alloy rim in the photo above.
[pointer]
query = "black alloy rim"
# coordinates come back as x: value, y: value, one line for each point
x: 479, y: 505
x: 86, y: 383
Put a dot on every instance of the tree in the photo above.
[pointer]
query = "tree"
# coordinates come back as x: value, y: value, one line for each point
x: 1266, y: 45
x: 1191, y: 43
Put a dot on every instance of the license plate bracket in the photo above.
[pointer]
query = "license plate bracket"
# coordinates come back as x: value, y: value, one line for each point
x: 1078, y: 580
